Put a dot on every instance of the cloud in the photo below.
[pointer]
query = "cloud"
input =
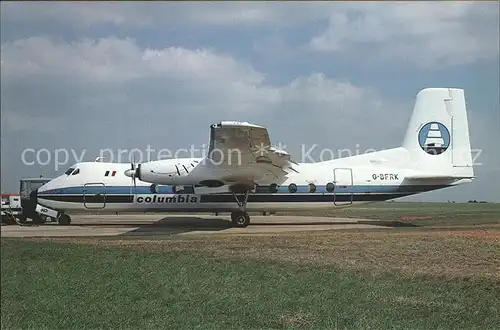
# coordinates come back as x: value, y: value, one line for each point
x: 77, y: 15
x: 112, y: 81
x: 99, y: 75
x: 21, y: 122
x: 428, y: 34
x: 146, y: 15
x: 112, y: 93
x: 114, y: 60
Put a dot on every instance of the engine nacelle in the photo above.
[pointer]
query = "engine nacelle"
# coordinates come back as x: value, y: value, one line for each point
x: 178, y: 172
x: 168, y: 171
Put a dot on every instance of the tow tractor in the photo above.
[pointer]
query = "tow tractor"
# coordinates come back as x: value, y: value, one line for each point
x: 11, y: 208
x: 23, y: 208
x: 28, y: 188
x: 18, y: 208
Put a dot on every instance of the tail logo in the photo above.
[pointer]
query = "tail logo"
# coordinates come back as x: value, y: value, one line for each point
x: 434, y: 138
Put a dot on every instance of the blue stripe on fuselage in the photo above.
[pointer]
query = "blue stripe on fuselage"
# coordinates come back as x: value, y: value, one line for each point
x: 359, y: 189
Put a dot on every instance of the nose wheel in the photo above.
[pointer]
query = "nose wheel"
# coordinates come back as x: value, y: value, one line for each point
x: 240, y: 218
x: 64, y: 219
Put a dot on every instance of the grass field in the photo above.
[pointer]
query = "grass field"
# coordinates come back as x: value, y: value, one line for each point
x: 431, y: 276
x: 420, y: 214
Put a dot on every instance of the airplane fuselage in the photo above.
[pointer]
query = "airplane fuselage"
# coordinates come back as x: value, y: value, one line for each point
x: 104, y: 188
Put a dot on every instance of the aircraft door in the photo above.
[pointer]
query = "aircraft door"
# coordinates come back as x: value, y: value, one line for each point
x: 94, y: 196
x: 342, y: 179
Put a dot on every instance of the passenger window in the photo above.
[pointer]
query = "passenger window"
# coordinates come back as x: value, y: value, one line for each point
x: 76, y: 171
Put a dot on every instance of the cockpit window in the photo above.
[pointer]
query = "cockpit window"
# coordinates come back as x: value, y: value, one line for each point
x: 76, y: 172
x: 68, y: 172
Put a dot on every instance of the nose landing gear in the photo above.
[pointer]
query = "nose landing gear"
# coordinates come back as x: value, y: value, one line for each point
x: 241, y: 218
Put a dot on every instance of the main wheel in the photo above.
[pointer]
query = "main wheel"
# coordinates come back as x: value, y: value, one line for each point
x: 240, y: 219
x: 64, y: 219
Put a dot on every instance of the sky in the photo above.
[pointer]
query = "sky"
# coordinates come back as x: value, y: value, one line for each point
x: 78, y: 79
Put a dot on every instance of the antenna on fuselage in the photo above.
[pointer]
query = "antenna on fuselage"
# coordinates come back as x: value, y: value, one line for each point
x: 97, y: 159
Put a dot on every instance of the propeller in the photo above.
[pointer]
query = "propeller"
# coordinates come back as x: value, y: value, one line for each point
x: 133, y: 173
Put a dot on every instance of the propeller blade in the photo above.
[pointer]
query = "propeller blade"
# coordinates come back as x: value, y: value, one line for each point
x: 133, y: 177
x: 132, y: 174
x: 137, y: 173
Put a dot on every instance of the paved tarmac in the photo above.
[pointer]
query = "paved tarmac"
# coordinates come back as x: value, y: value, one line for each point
x: 152, y: 225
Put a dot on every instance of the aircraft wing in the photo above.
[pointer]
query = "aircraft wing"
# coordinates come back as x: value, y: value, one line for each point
x: 241, y: 153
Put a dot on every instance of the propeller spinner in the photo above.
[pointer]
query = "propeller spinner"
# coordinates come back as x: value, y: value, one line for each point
x: 134, y: 173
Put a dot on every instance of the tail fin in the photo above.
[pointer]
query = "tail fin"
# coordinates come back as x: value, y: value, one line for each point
x: 438, y: 134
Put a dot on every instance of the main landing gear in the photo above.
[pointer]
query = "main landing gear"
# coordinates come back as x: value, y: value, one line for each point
x: 240, y: 218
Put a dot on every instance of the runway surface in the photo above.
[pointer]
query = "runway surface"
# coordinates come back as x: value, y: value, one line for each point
x: 151, y: 225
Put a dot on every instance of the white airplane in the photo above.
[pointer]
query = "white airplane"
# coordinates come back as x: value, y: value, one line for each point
x: 435, y: 153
